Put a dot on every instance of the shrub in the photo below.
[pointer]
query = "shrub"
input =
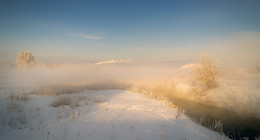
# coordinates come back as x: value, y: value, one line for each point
x: 66, y: 100
x: 61, y: 101
x: 18, y: 97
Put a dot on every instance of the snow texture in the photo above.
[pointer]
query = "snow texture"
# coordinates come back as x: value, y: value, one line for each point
x: 99, y: 115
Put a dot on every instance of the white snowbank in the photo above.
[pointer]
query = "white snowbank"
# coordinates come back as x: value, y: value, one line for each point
x: 106, y: 114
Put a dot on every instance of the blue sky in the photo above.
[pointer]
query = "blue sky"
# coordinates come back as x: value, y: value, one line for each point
x: 83, y: 30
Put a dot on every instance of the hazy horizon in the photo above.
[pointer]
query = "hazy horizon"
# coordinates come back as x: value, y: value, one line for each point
x: 77, y: 69
x: 142, y: 31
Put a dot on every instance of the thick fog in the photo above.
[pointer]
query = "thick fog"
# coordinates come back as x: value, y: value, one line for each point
x: 236, y: 88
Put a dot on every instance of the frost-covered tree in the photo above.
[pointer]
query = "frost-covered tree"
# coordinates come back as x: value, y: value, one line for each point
x: 25, y: 59
x: 207, y: 71
x: 205, y: 75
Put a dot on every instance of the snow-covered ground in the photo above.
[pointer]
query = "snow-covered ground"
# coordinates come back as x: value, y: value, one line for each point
x: 96, y: 115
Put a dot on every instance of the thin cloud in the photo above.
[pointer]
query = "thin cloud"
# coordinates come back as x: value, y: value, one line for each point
x: 114, y: 62
x: 187, y: 66
x: 87, y: 36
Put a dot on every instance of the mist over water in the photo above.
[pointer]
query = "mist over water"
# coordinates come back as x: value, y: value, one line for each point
x: 200, y: 58
x: 238, y: 89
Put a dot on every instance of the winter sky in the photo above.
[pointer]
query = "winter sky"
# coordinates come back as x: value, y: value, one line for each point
x: 142, y: 30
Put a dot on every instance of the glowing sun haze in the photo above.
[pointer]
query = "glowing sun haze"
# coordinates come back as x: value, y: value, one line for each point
x: 146, y: 31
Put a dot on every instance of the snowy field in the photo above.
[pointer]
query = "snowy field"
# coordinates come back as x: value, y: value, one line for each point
x: 95, y: 115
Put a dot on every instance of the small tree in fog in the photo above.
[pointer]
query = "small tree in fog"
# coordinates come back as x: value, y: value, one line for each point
x: 205, y: 75
x: 25, y: 59
x: 207, y: 71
